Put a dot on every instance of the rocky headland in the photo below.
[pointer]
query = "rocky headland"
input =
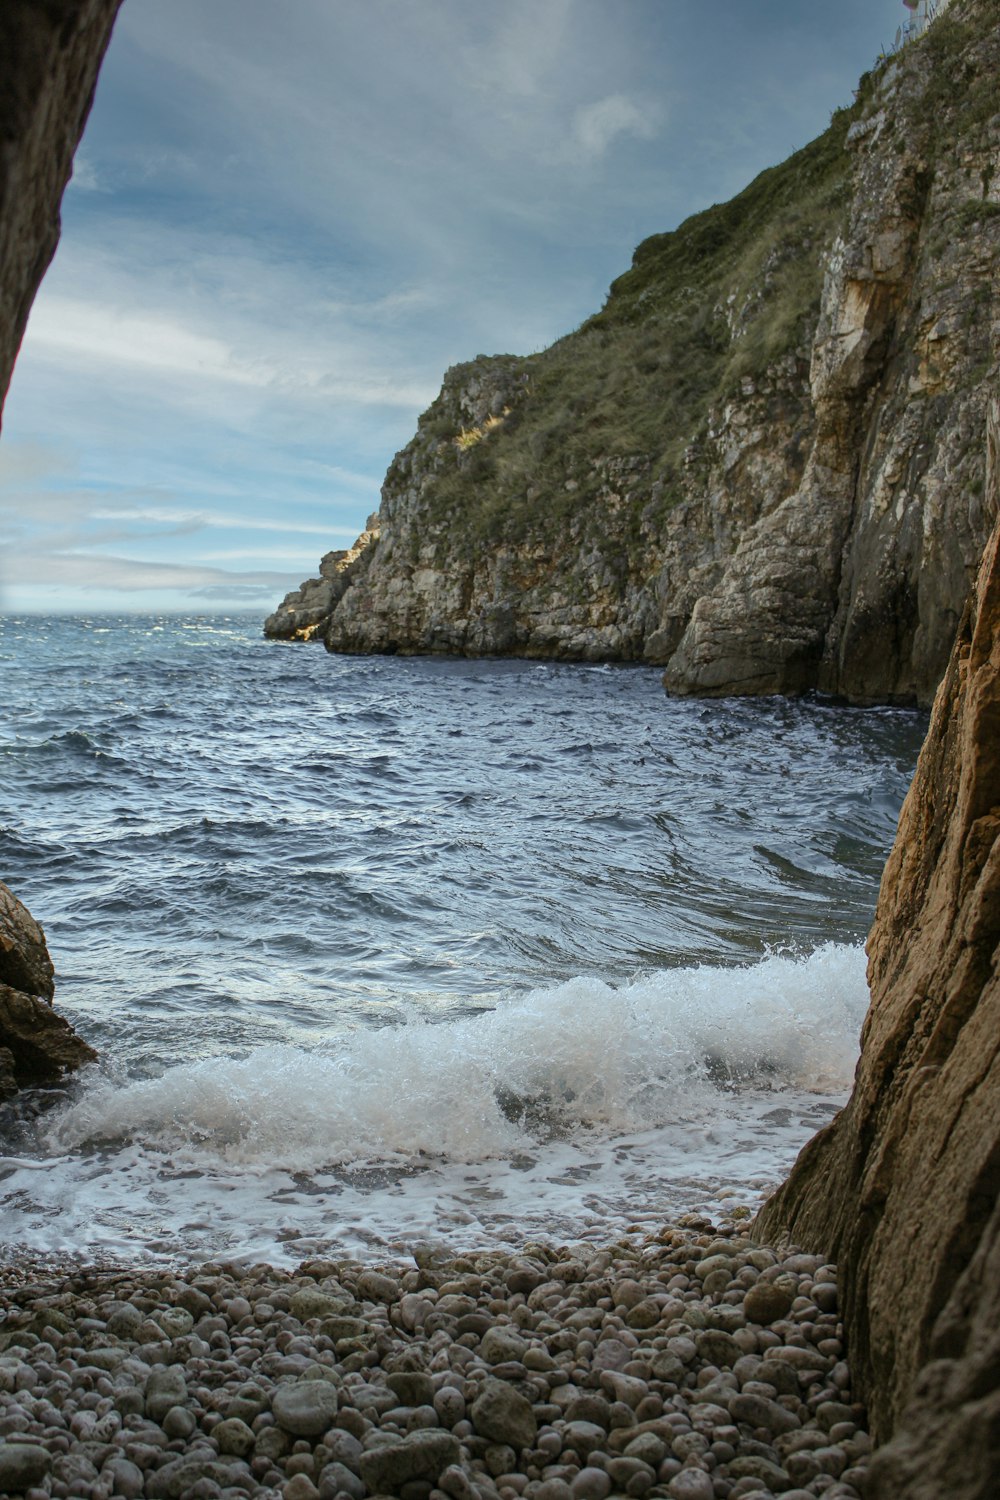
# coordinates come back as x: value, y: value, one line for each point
x: 760, y: 464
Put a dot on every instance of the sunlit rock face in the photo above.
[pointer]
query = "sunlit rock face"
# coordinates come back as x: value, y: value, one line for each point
x: 903, y: 1188
x: 50, y: 52
x: 761, y: 464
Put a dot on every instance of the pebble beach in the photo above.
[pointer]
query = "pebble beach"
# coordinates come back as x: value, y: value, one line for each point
x: 690, y: 1363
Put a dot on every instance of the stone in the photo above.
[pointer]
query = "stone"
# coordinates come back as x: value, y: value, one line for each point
x: 413, y: 1387
x: 691, y: 1484
x: 504, y: 1416
x: 767, y: 1301
x: 234, y: 1437
x: 421, y: 1455
x: 165, y: 1387
x: 591, y: 1484
x: 22, y: 1466
x: 759, y: 1411
x: 24, y: 956
x: 305, y: 1408
x: 337, y: 1479
x: 310, y: 1302
x: 500, y: 1344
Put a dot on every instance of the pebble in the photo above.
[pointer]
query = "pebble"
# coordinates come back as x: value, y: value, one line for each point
x: 690, y: 1364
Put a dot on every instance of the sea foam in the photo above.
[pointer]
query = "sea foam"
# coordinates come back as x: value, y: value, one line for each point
x: 581, y: 1059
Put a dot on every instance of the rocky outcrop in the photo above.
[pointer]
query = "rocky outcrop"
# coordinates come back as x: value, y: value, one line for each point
x: 36, y: 1044
x: 50, y: 52
x: 760, y: 465
x: 903, y: 1188
x: 306, y: 609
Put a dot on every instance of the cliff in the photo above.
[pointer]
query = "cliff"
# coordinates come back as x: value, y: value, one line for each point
x: 760, y: 465
x: 50, y: 52
x: 904, y: 1186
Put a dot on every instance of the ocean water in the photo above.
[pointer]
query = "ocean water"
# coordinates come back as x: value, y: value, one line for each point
x: 388, y: 951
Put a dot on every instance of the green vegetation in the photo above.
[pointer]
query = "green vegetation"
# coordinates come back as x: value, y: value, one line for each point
x: 702, y: 312
x: 702, y: 309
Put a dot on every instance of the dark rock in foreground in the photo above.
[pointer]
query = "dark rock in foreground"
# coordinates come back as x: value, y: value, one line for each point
x: 37, y: 1045
x: 50, y: 53
x: 904, y: 1186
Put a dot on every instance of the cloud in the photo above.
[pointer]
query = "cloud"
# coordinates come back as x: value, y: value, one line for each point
x: 126, y: 575
x: 597, y: 126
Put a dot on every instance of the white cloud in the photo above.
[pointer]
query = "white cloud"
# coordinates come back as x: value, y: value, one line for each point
x: 597, y: 126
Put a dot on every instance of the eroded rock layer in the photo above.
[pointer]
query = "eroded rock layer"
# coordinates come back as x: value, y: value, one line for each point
x: 903, y: 1186
x: 50, y: 52
x: 761, y: 463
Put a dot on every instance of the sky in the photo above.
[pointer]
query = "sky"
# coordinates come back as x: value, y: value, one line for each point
x: 287, y: 219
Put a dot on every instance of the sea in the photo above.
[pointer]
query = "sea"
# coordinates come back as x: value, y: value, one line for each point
x: 382, y: 953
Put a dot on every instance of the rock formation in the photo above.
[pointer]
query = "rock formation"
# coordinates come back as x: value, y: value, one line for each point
x: 50, y: 52
x: 36, y: 1045
x: 760, y: 464
x: 903, y: 1188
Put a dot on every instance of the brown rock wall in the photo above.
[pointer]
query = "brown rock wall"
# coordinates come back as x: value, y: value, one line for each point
x: 50, y: 52
x: 902, y: 1188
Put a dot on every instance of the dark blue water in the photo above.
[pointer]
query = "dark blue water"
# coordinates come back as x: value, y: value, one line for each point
x: 235, y: 845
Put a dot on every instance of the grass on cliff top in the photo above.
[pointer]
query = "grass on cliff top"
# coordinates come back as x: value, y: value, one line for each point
x: 702, y: 310
x: 637, y: 380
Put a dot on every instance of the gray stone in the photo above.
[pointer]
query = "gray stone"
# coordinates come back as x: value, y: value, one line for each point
x: 337, y: 1479
x: 305, y: 1408
x: 165, y: 1387
x: 591, y: 1484
x: 421, y: 1455
x: 234, y: 1437
x: 767, y: 1301
x: 502, y: 1344
x: 22, y: 1466
x: 504, y: 1415
x: 758, y: 1411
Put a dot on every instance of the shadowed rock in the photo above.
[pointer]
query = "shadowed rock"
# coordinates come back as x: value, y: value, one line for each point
x: 36, y: 1044
x: 902, y: 1188
x: 50, y: 52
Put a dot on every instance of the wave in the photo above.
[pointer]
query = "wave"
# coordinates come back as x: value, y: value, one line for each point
x: 582, y: 1057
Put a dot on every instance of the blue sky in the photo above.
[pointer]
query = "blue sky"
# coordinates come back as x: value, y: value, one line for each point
x: 289, y: 217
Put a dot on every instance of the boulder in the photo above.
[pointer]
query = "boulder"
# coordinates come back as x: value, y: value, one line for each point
x: 36, y: 1044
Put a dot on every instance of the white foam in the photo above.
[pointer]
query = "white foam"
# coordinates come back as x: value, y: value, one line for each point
x: 580, y: 1057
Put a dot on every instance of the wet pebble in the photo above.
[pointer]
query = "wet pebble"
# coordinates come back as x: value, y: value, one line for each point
x: 692, y: 1364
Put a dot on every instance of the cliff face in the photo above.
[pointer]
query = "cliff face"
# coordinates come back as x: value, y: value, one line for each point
x: 761, y: 464
x: 903, y: 1186
x: 50, y: 51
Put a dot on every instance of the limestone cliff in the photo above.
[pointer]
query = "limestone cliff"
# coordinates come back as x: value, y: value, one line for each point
x: 50, y: 52
x: 761, y: 463
x: 903, y: 1186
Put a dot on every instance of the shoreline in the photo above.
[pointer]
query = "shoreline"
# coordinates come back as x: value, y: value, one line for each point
x: 691, y: 1364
